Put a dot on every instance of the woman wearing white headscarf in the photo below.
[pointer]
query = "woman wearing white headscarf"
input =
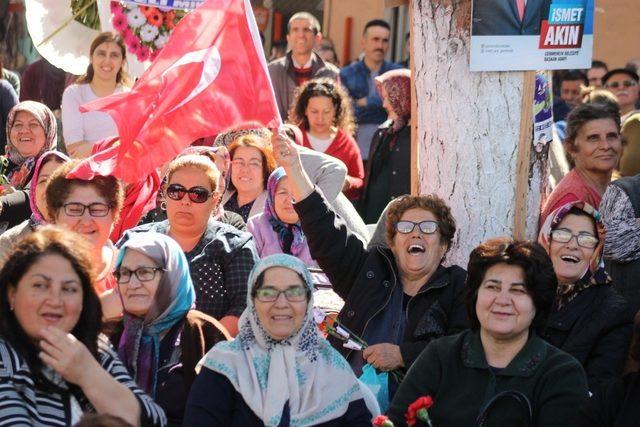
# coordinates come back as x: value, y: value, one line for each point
x: 279, y: 371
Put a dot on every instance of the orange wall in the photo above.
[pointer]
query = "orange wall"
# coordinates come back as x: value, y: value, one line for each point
x: 617, y: 31
x: 361, y: 11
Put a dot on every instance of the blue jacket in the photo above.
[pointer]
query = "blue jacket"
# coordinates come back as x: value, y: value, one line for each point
x: 355, y: 78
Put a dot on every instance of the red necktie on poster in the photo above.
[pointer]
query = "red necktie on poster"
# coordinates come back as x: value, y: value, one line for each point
x: 521, y: 5
x: 210, y: 75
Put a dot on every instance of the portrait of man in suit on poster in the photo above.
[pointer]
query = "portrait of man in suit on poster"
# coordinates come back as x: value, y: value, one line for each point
x: 508, y: 17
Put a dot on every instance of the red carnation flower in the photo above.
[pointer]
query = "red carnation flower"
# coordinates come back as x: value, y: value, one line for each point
x: 418, y: 410
x: 382, y: 421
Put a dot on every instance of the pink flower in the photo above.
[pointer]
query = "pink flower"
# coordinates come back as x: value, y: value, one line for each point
x: 154, y: 54
x: 119, y: 22
x: 115, y: 7
x: 130, y: 38
x: 143, y: 53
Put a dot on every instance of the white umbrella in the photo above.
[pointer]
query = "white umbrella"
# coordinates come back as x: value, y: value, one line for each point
x: 68, y: 47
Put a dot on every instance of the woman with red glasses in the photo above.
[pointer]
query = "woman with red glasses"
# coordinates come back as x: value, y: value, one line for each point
x: 220, y: 256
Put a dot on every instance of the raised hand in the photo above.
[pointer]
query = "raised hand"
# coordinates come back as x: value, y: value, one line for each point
x: 285, y: 151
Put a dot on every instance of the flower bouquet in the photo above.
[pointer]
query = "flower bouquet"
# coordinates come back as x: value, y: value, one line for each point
x: 145, y: 29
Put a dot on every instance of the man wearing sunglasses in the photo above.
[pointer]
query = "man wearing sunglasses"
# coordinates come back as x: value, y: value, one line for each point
x: 623, y: 83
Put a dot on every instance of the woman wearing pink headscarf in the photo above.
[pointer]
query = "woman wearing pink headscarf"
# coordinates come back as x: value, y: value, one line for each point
x: 44, y: 167
x: 388, y: 169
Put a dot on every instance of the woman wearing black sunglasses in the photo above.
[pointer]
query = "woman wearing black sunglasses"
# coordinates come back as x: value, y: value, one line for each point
x: 397, y: 299
x: 220, y: 256
x: 590, y: 320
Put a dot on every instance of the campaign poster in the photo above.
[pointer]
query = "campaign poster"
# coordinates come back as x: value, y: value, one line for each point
x: 168, y: 4
x: 542, y: 111
x: 519, y: 35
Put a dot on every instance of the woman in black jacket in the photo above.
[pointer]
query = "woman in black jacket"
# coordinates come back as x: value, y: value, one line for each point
x: 590, y: 320
x: 396, y: 299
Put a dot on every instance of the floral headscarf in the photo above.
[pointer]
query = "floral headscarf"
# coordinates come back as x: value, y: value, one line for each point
x: 38, y: 217
x: 397, y: 84
x: 139, y: 346
x: 303, y: 369
x: 18, y: 178
x: 225, y: 138
x: 595, y: 273
x: 290, y: 236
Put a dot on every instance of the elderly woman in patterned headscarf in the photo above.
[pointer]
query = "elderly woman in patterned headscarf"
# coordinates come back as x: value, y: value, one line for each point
x: 389, y: 167
x: 31, y: 131
x: 279, y: 370
x: 589, y: 320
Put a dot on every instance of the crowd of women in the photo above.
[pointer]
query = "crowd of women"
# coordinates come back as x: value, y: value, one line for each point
x: 191, y: 297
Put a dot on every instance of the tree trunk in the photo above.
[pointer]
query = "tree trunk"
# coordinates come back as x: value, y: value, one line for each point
x: 468, y: 132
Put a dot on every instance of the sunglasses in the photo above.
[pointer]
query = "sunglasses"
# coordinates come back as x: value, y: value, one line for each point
x: 196, y: 194
x: 426, y: 227
x: 616, y: 85
x: 585, y: 240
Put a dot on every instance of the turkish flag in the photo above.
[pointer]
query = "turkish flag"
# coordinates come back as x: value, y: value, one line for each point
x: 210, y: 75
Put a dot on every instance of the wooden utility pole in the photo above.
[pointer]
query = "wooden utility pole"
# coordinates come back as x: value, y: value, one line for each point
x: 473, y: 132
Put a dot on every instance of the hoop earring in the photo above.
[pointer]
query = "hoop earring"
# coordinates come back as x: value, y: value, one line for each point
x: 163, y: 205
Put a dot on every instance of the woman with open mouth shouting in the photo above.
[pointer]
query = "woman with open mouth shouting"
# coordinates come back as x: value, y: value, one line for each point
x: 397, y: 298
x: 589, y: 320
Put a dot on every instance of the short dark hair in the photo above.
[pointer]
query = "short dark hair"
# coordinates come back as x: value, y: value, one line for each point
x: 599, y: 64
x: 376, y: 23
x: 627, y: 71
x: 431, y: 203
x: 59, y: 187
x: 573, y: 75
x: 540, y: 279
x: 585, y: 113
x: 49, y: 240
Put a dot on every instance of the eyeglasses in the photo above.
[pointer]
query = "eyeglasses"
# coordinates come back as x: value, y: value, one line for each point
x: 426, y: 227
x: 585, y: 240
x: 196, y: 194
x: 95, y: 209
x: 143, y: 274
x: 292, y: 294
x: 625, y: 84
x: 253, y: 164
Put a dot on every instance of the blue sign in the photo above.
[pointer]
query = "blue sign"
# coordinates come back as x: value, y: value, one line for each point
x: 168, y: 4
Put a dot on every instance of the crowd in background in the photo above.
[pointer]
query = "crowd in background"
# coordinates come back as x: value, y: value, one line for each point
x: 194, y: 296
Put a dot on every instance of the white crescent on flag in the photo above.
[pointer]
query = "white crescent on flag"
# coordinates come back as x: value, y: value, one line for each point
x: 211, y: 60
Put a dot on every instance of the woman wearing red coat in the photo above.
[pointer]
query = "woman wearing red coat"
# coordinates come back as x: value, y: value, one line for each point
x: 322, y: 110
